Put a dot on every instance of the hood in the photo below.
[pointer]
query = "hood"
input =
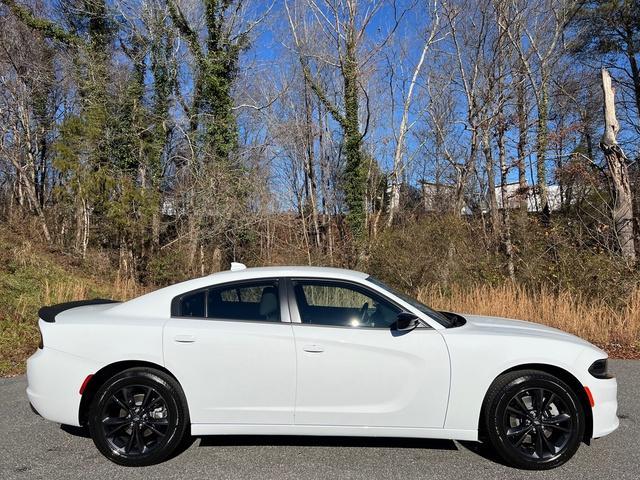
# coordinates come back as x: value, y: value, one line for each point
x: 520, y: 328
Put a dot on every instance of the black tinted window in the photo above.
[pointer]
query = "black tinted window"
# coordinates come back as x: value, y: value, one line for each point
x: 246, y: 301
x: 192, y: 304
x: 257, y: 301
x: 342, y: 304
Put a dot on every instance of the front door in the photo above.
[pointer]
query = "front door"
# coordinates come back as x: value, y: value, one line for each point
x: 233, y: 355
x: 354, y: 369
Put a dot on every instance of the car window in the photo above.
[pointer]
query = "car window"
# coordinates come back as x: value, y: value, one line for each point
x: 342, y: 304
x: 255, y: 301
x: 193, y: 304
x: 437, y: 316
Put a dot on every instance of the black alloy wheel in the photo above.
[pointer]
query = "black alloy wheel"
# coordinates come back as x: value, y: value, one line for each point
x: 135, y: 420
x: 538, y: 423
x: 533, y: 419
x: 138, y: 417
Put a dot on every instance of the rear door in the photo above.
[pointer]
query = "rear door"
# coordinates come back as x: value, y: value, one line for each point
x: 232, y: 349
x: 354, y: 369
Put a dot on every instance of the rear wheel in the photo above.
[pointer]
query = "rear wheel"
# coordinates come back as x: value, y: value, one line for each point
x: 138, y: 417
x: 533, y: 419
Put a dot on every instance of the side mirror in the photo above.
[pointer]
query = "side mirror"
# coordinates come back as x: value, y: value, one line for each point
x: 406, y: 321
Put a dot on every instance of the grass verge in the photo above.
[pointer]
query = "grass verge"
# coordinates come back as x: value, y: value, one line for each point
x: 615, y: 330
x: 31, y: 278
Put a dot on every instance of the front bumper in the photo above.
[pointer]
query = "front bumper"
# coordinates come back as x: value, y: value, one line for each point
x: 605, y: 408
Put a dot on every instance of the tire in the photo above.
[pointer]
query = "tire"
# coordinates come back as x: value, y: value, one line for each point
x: 533, y: 420
x: 138, y: 417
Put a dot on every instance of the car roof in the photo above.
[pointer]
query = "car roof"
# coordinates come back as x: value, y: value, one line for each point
x: 158, y: 302
x: 291, y: 271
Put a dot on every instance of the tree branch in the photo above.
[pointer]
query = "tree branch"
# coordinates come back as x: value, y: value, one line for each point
x: 46, y: 27
x: 185, y: 30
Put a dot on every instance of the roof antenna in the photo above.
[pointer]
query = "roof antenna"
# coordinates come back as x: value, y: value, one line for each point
x: 236, y: 266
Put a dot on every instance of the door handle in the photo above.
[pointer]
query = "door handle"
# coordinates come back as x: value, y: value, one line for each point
x: 313, y: 348
x: 184, y: 338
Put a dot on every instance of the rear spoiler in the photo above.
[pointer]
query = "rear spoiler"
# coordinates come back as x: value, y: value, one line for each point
x: 48, y: 314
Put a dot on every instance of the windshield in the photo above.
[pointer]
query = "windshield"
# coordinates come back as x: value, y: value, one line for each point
x: 437, y: 316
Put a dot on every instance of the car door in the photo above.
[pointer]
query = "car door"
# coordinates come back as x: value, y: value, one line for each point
x: 354, y: 369
x: 231, y: 347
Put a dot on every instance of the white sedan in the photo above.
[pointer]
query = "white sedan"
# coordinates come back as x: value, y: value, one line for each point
x: 313, y: 351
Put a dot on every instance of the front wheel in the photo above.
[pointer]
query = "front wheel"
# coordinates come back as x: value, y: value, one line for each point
x: 533, y: 419
x: 138, y: 417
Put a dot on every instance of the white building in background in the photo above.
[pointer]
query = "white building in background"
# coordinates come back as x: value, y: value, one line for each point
x: 512, y: 197
x: 438, y: 197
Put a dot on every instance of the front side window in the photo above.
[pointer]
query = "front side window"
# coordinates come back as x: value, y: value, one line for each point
x: 342, y: 304
x: 254, y: 301
x: 437, y: 316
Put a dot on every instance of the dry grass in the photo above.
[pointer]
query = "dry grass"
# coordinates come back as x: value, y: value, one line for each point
x: 68, y: 291
x: 31, y: 277
x: 616, y: 330
x: 18, y: 324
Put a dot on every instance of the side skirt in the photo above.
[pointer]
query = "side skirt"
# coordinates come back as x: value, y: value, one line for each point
x: 332, y: 430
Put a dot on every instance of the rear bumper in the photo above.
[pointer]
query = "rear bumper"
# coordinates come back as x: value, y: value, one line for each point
x: 605, y: 408
x: 33, y: 409
x: 54, y: 379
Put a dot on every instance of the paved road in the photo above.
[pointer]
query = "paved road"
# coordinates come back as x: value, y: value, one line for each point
x: 32, y: 448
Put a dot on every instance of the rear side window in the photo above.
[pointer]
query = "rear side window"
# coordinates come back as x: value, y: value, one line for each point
x: 192, y: 304
x: 253, y: 301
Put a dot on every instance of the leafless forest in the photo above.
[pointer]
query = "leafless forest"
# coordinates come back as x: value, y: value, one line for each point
x: 439, y: 144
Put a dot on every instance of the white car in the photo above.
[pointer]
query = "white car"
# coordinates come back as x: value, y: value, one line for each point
x: 313, y: 351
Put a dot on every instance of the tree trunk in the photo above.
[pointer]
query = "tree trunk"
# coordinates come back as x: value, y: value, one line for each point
x: 462, y: 175
x: 506, y: 209
x: 354, y: 174
x: 619, y: 173
x: 26, y: 177
x: 635, y: 73
x: 521, y: 112
x: 491, y: 184
x: 312, y: 195
x: 394, y: 202
x: 541, y: 143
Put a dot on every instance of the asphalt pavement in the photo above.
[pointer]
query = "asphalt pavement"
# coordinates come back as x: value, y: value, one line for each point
x: 32, y: 448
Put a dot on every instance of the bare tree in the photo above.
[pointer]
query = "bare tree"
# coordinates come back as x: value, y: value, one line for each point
x: 468, y: 25
x: 536, y: 30
x: 27, y: 87
x: 619, y: 173
x: 342, y: 24
x: 405, y: 125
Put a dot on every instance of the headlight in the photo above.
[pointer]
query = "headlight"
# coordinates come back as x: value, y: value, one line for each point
x: 599, y: 369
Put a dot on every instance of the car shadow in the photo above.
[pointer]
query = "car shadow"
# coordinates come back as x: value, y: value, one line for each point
x: 480, y: 449
x: 483, y: 450
x: 82, y: 432
x: 319, y: 441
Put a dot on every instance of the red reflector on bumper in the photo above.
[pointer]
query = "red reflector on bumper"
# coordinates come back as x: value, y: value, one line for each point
x: 589, y: 396
x: 85, y: 383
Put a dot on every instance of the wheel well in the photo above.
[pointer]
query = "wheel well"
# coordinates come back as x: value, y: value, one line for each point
x: 565, y: 376
x: 103, y: 375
